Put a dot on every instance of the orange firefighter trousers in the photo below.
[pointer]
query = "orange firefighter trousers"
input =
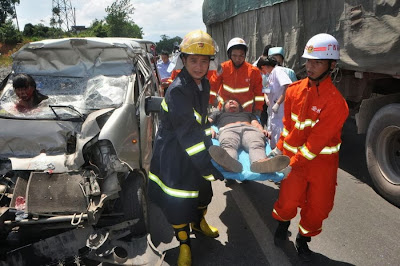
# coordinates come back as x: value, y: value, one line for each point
x: 311, y: 188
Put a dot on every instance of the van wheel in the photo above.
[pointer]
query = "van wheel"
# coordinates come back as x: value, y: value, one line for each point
x: 133, y: 198
x: 383, y: 152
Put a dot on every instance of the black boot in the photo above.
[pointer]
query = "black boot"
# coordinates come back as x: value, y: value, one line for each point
x: 281, y: 233
x: 302, y: 247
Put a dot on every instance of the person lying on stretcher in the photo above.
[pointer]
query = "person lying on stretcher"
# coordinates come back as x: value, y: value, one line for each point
x: 241, y: 130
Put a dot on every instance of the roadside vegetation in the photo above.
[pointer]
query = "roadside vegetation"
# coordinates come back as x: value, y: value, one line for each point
x: 117, y: 23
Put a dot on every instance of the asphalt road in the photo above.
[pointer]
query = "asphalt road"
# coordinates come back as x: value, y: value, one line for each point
x: 362, y: 229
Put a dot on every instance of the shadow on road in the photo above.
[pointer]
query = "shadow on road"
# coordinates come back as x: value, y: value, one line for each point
x: 241, y: 246
x: 352, y: 153
x: 264, y: 206
x: 205, y: 251
x: 317, y: 259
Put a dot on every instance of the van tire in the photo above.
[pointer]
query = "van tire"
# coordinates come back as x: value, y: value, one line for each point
x: 133, y: 198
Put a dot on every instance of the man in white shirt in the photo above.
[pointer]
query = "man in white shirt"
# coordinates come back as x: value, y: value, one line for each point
x: 162, y: 67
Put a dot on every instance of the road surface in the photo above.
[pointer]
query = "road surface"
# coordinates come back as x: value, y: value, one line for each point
x: 362, y: 229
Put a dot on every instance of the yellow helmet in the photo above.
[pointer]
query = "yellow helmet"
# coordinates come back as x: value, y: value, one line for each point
x: 198, y: 42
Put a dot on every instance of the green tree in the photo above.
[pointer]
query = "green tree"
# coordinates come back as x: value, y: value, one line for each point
x: 167, y: 44
x: 41, y: 31
x: 133, y: 30
x: 9, y: 34
x: 7, y: 9
x: 98, y: 29
x: 119, y: 22
x: 28, y: 30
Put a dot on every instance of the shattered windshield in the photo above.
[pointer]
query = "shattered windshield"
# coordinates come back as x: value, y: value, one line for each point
x: 67, y: 97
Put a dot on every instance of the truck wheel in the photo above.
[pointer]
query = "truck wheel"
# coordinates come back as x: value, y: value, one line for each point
x: 133, y: 198
x: 383, y: 152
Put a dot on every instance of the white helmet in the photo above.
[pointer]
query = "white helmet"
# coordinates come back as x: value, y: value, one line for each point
x: 236, y: 41
x: 322, y: 46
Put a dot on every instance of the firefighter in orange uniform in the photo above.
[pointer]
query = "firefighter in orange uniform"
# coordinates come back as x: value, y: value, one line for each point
x: 315, y: 112
x: 239, y: 80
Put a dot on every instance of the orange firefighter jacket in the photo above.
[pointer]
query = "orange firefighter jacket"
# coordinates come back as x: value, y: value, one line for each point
x: 243, y: 84
x: 313, y: 120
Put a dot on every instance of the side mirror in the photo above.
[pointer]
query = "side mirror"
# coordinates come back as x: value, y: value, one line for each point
x: 153, y: 104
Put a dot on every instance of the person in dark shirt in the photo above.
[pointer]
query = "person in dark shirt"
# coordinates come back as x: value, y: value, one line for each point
x: 238, y: 129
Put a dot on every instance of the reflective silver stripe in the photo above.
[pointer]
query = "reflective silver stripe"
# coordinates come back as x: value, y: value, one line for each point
x: 213, y: 93
x: 235, y: 90
x: 209, y: 177
x: 178, y: 193
x: 208, y: 131
x: 309, y: 155
x: 289, y: 148
x: 274, y: 211
x: 197, y: 116
x: 247, y: 103
x: 331, y: 150
x: 164, y: 105
x: 303, y: 230
x: 199, y: 147
x: 220, y: 99
x: 301, y: 125
x: 306, y: 153
x: 259, y: 98
x: 285, y: 132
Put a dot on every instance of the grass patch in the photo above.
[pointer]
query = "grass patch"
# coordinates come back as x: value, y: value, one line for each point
x: 7, y: 50
x: 5, y: 60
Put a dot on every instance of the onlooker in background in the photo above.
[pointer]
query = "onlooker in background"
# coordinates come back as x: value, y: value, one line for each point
x: 175, y: 49
x: 239, y: 80
x: 162, y: 67
x: 278, y: 81
x: 265, y: 53
x: 264, y: 114
x: 279, y: 55
x: 163, y: 64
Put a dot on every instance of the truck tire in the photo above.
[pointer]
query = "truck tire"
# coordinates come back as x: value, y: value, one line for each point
x: 133, y: 198
x: 383, y: 152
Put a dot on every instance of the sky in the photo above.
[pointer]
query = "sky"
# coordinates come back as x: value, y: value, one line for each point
x: 156, y: 17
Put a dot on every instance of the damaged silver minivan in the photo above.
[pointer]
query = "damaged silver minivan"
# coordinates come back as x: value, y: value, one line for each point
x: 73, y: 170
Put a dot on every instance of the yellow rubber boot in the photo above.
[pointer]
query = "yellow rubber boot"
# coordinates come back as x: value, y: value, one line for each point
x: 185, y: 254
x: 203, y: 227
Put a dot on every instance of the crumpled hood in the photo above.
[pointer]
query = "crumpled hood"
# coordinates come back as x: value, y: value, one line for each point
x: 29, y: 138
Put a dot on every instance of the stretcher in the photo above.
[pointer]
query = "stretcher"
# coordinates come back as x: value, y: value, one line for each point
x: 246, y: 173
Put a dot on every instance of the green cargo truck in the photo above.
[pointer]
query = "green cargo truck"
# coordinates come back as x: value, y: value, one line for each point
x: 369, y: 77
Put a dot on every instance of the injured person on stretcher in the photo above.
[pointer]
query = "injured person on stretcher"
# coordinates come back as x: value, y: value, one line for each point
x: 241, y: 130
